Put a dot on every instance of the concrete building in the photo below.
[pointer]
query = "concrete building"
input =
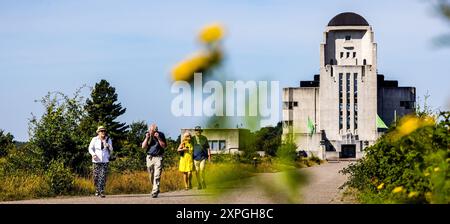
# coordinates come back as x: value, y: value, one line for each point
x: 224, y: 140
x: 335, y: 115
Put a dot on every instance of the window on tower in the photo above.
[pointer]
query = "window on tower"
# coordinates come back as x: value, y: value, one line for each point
x: 354, y: 54
x: 347, y: 77
x: 355, y: 100
x: 341, y: 113
x: 348, y: 54
x: 348, y: 37
x: 342, y: 54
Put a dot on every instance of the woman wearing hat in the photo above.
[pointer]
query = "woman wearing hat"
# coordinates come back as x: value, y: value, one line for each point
x: 100, y: 149
x: 186, y: 159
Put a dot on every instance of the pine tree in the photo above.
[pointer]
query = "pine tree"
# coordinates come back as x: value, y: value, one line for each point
x: 103, y: 109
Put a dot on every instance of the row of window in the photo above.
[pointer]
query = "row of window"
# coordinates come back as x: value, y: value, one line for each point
x: 355, y: 100
x: 348, y: 54
x: 290, y: 105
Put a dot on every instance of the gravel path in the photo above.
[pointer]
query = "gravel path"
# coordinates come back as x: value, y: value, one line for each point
x: 321, y: 188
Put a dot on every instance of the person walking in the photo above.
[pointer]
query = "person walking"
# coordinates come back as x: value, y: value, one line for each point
x: 100, y: 149
x: 186, y: 160
x: 154, y: 143
x: 201, y: 153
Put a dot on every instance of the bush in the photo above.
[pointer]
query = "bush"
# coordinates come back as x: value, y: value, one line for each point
x: 409, y: 164
x: 59, y: 178
x: 26, y: 159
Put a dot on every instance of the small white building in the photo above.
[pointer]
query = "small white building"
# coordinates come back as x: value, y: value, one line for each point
x: 335, y: 115
x: 224, y: 140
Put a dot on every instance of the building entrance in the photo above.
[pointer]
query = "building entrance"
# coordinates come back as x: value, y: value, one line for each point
x: 348, y: 151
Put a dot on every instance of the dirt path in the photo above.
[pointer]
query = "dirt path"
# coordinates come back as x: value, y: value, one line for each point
x: 322, y: 188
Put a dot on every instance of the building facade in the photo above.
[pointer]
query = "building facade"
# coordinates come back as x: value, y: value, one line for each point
x: 342, y: 110
x: 224, y: 140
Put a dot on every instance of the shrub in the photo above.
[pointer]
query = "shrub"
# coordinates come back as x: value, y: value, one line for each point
x: 409, y: 164
x: 60, y: 178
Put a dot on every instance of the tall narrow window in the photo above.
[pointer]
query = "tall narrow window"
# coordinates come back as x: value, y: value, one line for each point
x: 347, y: 80
x: 342, y: 54
x: 354, y: 54
x: 348, y: 54
x: 355, y: 99
x: 341, y: 114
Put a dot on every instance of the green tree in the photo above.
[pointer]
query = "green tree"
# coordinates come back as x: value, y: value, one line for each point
x: 6, y: 142
x: 137, y: 132
x: 56, y: 134
x: 268, y: 139
x: 132, y: 156
x: 102, y: 108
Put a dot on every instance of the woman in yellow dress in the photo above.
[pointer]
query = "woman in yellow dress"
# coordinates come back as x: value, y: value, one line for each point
x: 186, y: 159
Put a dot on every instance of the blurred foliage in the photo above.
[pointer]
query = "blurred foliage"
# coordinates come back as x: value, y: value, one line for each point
x: 442, y: 7
x: 409, y: 164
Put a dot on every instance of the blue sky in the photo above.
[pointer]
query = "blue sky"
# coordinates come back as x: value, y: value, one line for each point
x: 61, y: 45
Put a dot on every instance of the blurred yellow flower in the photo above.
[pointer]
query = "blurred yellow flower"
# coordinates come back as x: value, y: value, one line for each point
x: 211, y: 33
x: 184, y: 71
x: 436, y: 169
x: 426, y: 174
x: 410, y: 123
x: 413, y: 194
x: 397, y: 189
x: 380, y: 186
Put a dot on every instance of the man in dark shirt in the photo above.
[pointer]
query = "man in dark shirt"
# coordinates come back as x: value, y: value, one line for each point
x: 154, y: 143
x: 201, y: 153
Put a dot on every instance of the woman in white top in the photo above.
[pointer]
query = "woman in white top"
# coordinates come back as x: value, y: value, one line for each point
x: 100, y: 150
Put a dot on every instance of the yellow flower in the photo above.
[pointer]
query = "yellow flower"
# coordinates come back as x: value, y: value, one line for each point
x: 436, y: 169
x: 211, y: 33
x: 397, y: 189
x: 409, y: 124
x: 413, y: 194
x: 184, y: 71
x: 426, y: 174
x: 380, y: 186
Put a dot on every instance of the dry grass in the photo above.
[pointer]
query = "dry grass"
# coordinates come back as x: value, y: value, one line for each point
x: 23, y: 187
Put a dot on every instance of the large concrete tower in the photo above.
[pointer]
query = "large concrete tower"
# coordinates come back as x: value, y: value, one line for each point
x: 336, y: 114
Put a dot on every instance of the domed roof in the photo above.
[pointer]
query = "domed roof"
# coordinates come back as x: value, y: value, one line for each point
x: 348, y: 19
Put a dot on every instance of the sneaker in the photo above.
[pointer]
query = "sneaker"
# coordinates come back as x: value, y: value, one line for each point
x: 97, y: 194
x: 154, y: 195
x: 102, y: 196
x: 199, y: 187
